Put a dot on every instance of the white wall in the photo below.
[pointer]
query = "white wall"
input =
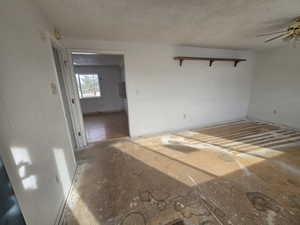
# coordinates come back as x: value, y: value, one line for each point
x: 164, y: 97
x: 277, y: 87
x: 110, y: 100
x: 34, y: 141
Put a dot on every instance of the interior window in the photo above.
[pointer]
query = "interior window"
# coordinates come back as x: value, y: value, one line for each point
x: 88, y: 85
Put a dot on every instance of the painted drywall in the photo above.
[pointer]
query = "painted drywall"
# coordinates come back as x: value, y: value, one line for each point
x: 276, y: 87
x: 109, y: 79
x: 164, y: 97
x: 34, y: 141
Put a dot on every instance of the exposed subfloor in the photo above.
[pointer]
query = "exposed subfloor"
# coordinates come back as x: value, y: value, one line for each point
x: 240, y: 173
x: 103, y: 126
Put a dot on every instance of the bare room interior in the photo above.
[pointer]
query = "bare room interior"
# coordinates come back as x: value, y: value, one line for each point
x: 100, y: 81
x: 135, y: 112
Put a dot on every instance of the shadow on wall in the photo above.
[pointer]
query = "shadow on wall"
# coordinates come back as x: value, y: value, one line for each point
x: 36, y: 183
x: 10, y: 213
x: 24, y: 167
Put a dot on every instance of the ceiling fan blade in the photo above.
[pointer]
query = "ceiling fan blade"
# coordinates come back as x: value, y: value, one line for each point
x: 288, y: 37
x: 276, y: 37
x: 267, y: 34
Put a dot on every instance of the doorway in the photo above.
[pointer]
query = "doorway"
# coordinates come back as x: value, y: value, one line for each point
x: 58, y: 59
x: 100, y: 82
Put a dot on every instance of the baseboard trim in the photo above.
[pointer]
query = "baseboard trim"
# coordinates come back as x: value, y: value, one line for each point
x: 219, y: 123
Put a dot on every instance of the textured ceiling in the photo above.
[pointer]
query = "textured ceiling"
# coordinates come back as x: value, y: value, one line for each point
x: 205, y: 23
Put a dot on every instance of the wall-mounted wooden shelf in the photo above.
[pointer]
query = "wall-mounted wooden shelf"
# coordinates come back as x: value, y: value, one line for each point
x: 210, y: 59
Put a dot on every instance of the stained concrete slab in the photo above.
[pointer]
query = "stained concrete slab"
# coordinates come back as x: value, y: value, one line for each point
x: 243, y: 172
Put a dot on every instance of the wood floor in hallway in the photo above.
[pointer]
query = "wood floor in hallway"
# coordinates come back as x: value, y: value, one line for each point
x: 103, y: 126
x: 238, y: 173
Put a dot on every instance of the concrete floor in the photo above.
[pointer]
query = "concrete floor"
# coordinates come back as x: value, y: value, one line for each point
x: 240, y: 173
x: 104, y: 126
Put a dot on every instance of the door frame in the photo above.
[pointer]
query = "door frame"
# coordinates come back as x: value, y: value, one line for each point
x: 77, y: 114
x: 57, y: 55
x: 72, y: 103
